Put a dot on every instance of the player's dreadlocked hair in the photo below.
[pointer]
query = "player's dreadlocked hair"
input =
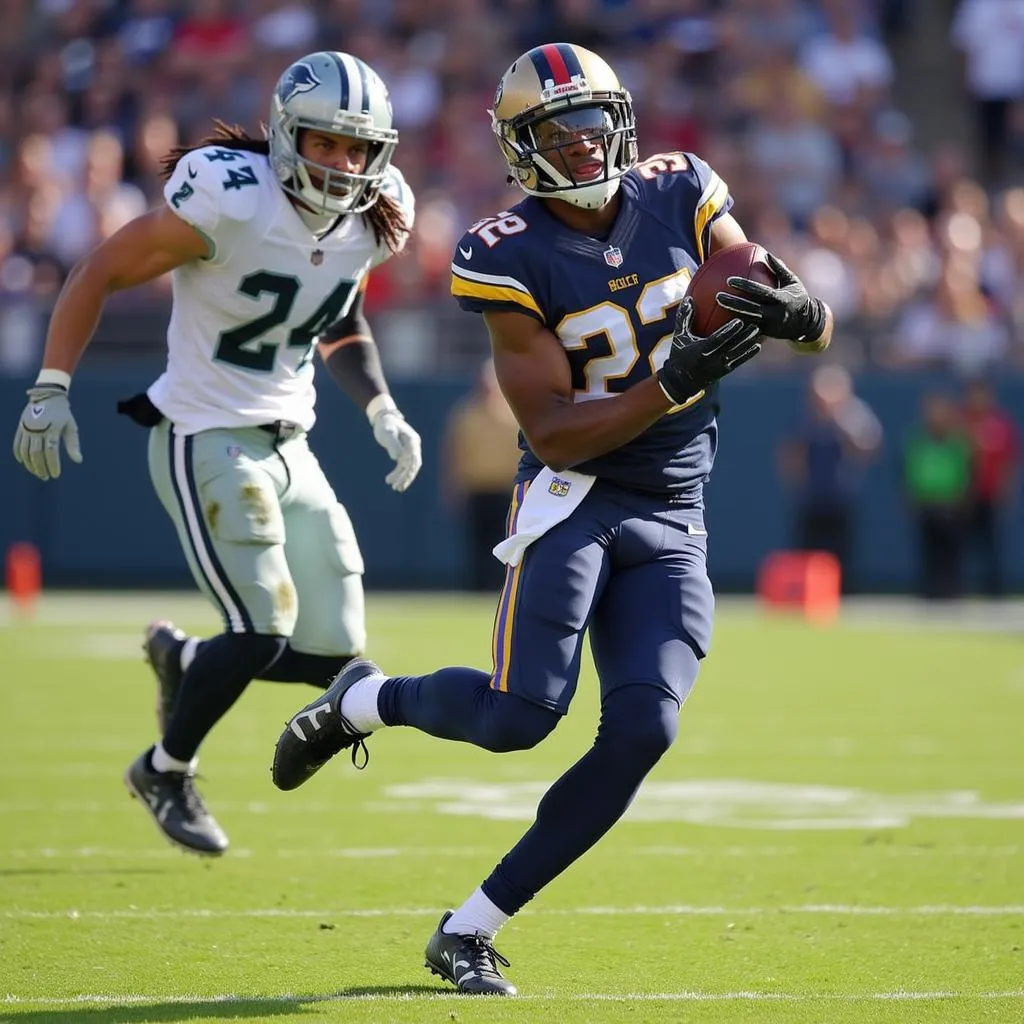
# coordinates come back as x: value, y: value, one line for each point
x: 385, y: 216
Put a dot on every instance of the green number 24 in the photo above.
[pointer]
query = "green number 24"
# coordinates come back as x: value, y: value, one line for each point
x: 241, y: 346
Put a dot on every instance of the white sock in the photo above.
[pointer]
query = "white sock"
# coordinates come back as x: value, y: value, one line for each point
x: 163, y: 762
x: 477, y: 916
x: 359, y: 705
x: 188, y: 652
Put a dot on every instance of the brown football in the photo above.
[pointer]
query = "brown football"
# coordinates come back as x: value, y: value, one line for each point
x: 746, y: 259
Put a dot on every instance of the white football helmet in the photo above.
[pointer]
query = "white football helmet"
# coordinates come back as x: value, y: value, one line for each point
x: 550, y: 96
x: 330, y: 92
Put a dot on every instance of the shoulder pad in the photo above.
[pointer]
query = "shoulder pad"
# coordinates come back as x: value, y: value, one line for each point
x: 212, y: 185
x: 398, y: 188
x: 695, y: 194
x: 490, y: 268
x: 664, y: 167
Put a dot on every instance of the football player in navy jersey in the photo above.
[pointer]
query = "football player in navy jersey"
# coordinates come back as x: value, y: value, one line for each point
x: 582, y: 286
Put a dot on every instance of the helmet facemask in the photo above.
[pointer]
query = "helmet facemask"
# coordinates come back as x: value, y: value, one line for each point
x: 535, y: 142
x: 338, y: 192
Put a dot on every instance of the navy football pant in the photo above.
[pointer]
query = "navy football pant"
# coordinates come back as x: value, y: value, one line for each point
x: 633, y: 572
x: 638, y: 724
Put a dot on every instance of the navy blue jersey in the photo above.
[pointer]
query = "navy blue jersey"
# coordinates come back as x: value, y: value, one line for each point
x: 612, y: 304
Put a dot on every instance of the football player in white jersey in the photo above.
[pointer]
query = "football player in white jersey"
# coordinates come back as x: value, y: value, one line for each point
x: 270, y: 242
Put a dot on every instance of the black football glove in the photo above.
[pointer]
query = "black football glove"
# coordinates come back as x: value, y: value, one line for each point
x: 695, y: 362
x: 786, y: 312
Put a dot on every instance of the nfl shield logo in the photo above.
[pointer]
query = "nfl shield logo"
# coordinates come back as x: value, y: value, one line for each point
x: 316, y: 257
x: 234, y: 451
x: 613, y: 257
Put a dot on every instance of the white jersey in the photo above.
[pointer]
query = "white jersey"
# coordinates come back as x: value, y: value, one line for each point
x: 244, y: 321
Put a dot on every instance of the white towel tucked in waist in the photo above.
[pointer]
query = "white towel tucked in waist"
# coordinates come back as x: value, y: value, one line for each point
x: 551, y: 498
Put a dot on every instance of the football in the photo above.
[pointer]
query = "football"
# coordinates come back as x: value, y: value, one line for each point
x: 746, y: 259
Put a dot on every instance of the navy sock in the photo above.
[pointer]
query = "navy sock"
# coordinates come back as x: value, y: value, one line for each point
x: 638, y: 724
x: 295, y: 667
x: 222, y: 668
x: 460, y: 704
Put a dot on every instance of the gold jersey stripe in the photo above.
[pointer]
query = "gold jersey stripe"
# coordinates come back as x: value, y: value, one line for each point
x: 705, y: 213
x: 504, y: 620
x: 494, y: 293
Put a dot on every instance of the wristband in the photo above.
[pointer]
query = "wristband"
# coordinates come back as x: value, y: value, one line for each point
x: 665, y: 392
x: 58, y: 377
x: 379, y: 404
x: 816, y: 320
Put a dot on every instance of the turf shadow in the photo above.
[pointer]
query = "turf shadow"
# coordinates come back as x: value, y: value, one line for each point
x: 390, y: 992
x: 214, y: 1009
x: 155, y: 1012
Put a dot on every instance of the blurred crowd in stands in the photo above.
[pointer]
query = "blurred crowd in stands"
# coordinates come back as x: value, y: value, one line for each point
x: 959, y: 475
x: 919, y: 250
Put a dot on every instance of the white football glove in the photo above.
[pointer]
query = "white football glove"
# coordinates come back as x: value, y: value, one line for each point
x: 46, y: 420
x: 402, y: 443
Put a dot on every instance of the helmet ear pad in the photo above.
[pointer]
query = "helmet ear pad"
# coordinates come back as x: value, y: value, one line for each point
x: 521, y: 170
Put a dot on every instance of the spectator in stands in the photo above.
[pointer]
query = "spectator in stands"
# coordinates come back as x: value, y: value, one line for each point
x: 480, y: 463
x: 894, y: 174
x: 781, y: 24
x: 937, y: 485
x: 956, y: 326
x: 146, y: 31
x: 991, y: 35
x: 848, y: 65
x: 209, y: 34
x: 824, y: 462
x: 996, y: 453
x: 287, y: 26
x: 797, y: 155
x: 155, y: 136
x: 745, y: 83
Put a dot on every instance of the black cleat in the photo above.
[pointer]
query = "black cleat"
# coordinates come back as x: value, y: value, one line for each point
x: 469, y: 962
x: 176, y: 806
x: 163, y: 645
x: 319, y: 731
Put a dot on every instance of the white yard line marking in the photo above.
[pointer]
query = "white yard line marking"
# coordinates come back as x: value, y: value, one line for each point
x: 873, y: 849
x: 375, y: 852
x: 228, y: 806
x: 159, y: 853
x: 738, y: 803
x: 900, y: 995
x: 837, y: 909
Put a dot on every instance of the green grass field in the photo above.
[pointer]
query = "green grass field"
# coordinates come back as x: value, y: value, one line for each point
x: 837, y: 836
